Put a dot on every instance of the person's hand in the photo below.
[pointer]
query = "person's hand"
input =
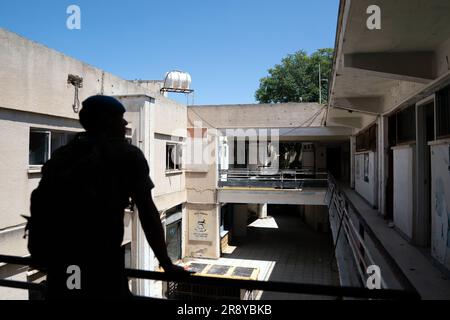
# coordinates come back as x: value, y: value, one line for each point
x: 176, y: 270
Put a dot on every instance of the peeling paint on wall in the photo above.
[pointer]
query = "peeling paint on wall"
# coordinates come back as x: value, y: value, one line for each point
x: 440, y: 242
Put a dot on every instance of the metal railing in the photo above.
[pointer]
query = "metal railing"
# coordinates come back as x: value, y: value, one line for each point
x: 273, y: 286
x: 353, y: 229
x: 269, y: 178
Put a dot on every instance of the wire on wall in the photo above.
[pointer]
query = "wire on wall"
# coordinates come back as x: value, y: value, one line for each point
x: 77, y: 82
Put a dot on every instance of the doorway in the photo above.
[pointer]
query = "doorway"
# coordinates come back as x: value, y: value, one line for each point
x: 392, y: 141
x: 334, y: 161
x: 425, y: 134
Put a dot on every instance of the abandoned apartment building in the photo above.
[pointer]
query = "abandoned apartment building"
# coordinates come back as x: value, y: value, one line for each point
x: 294, y: 192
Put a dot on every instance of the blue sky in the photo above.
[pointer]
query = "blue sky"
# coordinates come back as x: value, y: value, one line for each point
x: 227, y: 46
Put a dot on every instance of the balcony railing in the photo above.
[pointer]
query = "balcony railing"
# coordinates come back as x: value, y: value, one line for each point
x: 270, y: 178
x: 365, y: 247
x: 273, y: 286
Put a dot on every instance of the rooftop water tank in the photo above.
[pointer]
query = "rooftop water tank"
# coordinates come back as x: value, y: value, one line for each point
x: 177, y: 81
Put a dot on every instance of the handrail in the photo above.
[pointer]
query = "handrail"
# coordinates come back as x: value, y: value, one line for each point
x: 364, y: 229
x: 275, y: 286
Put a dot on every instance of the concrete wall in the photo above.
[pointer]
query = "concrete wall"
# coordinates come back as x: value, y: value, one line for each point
x: 209, y: 247
x: 282, y: 115
x: 404, y: 162
x: 35, y: 93
x: 441, y: 58
x: 16, y: 182
x: 201, y: 183
x: 367, y: 189
x: 40, y: 74
x: 440, y: 202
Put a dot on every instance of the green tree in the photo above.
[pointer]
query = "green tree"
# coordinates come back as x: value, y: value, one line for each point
x: 296, y: 79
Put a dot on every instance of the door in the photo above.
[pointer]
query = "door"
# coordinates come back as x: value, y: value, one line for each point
x: 334, y: 161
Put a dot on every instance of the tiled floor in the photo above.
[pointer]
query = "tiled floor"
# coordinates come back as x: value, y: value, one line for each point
x: 293, y: 252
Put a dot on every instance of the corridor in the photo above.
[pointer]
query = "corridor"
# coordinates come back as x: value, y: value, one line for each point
x: 300, y: 254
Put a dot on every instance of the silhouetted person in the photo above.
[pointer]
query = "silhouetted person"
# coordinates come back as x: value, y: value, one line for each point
x: 77, y: 211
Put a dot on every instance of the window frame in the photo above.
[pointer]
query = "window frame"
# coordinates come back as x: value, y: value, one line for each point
x: 37, y: 168
x: 366, y: 140
x: 442, y: 113
x: 178, y: 167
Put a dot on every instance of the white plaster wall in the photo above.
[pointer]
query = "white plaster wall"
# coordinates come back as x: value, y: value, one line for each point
x: 440, y: 203
x: 404, y: 189
x: 165, y: 183
x: 16, y: 184
x: 366, y: 189
x: 203, y: 249
x: 34, y: 78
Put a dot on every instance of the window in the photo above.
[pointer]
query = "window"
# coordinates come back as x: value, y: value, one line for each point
x: 406, y: 125
x: 367, y: 139
x: 173, y: 221
x: 173, y: 156
x: 44, y: 142
x: 173, y: 240
x: 240, y: 152
x: 39, y: 150
x: 443, y: 113
x: 366, y: 167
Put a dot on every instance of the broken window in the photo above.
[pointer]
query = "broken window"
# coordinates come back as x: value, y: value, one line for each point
x: 173, y: 156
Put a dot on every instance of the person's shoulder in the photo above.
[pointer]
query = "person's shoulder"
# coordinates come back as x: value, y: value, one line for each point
x: 131, y: 149
x: 130, y: 153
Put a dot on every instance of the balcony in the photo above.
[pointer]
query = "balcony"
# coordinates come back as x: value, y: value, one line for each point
x: 249, y: 285
x: 272, y: 178
x: 356, y: 248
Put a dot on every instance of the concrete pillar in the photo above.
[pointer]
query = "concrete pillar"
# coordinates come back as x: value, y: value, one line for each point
x: 382, y: 150
x: 262, y: 211
x: 352, y: 161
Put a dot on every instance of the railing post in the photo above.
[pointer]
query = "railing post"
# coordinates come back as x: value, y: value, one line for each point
x: 361, y: 233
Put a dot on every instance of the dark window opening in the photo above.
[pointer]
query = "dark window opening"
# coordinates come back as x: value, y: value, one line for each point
x: 241, y: 153
x: 173, y: 156
x: 367, y: 139
x: 177, y: 209
x: 366, y: 167
x: 173, y: 240
x: 406, y: 125
x: 44, y: 142
x: 443, y: 113
x: 225, y: 218
x: 39, y: 148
